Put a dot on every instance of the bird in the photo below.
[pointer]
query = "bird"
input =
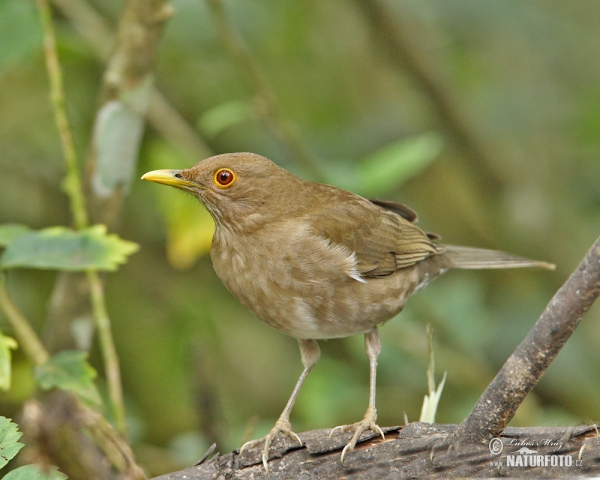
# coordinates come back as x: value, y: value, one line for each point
x: 316, y: 262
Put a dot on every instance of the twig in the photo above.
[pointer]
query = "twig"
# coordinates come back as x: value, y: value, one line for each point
x: 268, y: 100
x: 109, y: 351
x: 74, y: 190
x: 26, y: 336
x: 523, y: 369
x: 72, y: 184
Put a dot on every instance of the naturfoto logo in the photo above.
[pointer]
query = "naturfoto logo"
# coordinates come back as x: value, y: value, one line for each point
x: 528, y: 455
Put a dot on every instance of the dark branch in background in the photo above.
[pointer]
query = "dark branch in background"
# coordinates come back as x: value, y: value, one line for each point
x: 268, y: 107
x: 402, y: 43
x: 524, y: 368
x: 441, y: 451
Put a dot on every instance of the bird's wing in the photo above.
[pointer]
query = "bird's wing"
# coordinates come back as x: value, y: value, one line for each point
x: 382, y: 239
x: 403, y: 210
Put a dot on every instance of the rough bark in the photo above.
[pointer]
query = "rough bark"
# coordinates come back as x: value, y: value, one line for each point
x: 417, y: 450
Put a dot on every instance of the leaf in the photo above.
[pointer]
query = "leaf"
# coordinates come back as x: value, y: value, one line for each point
x: 35, y: 472
x: 9, y: 434
x: 69, y: 370
x: 397, y: 162
x: 61, y: 248
x: 6, y: 345
x: 225, y: 115
x: 431, y: 401
x: 9, y: 231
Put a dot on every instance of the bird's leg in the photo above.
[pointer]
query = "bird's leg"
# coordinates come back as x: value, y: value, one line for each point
x: 310, y: 352
x: 373, y: 348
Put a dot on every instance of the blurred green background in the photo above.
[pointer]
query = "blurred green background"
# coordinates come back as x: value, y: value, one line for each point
x: 521, y: 77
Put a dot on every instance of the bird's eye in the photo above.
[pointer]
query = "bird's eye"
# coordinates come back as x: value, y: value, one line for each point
x: 224, y: 178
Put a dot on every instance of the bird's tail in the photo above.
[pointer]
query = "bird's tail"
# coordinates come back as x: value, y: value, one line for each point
x: 480, y: 258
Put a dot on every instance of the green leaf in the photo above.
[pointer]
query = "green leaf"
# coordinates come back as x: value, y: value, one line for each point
x: 9, y: 434
x: 431, y: 401
x: 225, y: 115
x: 35, y: 472
x: 9, y: 231
x: 69, y: 370
x: 6, y: 345
x: 61, y: 248
x: 397, y: 162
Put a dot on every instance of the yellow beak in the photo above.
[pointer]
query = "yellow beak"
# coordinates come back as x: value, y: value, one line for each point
x: 168, y: 177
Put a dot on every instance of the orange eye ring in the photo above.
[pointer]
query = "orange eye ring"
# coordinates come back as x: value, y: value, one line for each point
x: 224, y: 178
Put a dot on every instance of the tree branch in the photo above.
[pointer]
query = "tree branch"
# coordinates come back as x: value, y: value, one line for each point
x: 524, y: 368
x: 417, y: 450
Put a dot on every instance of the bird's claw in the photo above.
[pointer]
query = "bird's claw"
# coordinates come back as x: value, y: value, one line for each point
x: 281, y: 426
x: 367, y: 423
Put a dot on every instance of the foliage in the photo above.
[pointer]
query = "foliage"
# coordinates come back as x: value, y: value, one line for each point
x: 9, y: 231
x: 35, y: 472
x: 9, y: 446
x: 396, y: 163
x: 60, y: 248
x: 69, y: 370
x: 432, y: 399
x: 521, y: 84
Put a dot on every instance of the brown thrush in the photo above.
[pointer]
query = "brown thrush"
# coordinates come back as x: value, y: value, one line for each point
x: 314, y: 261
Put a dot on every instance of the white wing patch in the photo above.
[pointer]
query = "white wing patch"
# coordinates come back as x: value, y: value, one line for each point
x: 344, y: 258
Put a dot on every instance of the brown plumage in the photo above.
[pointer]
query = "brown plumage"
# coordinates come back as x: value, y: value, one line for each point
x: 314, y: 261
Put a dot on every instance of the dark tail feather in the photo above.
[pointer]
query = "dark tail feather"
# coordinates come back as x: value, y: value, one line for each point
x: 480, y: 258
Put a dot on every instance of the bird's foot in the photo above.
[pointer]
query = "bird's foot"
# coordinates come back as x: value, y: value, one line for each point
x: 281, y: 426
x: 367, y: 423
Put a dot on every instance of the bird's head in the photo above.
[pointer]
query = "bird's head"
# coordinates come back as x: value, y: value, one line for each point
x: 240, y: 190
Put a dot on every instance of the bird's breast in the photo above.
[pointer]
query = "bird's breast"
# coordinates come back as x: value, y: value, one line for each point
x: 305, y: 288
